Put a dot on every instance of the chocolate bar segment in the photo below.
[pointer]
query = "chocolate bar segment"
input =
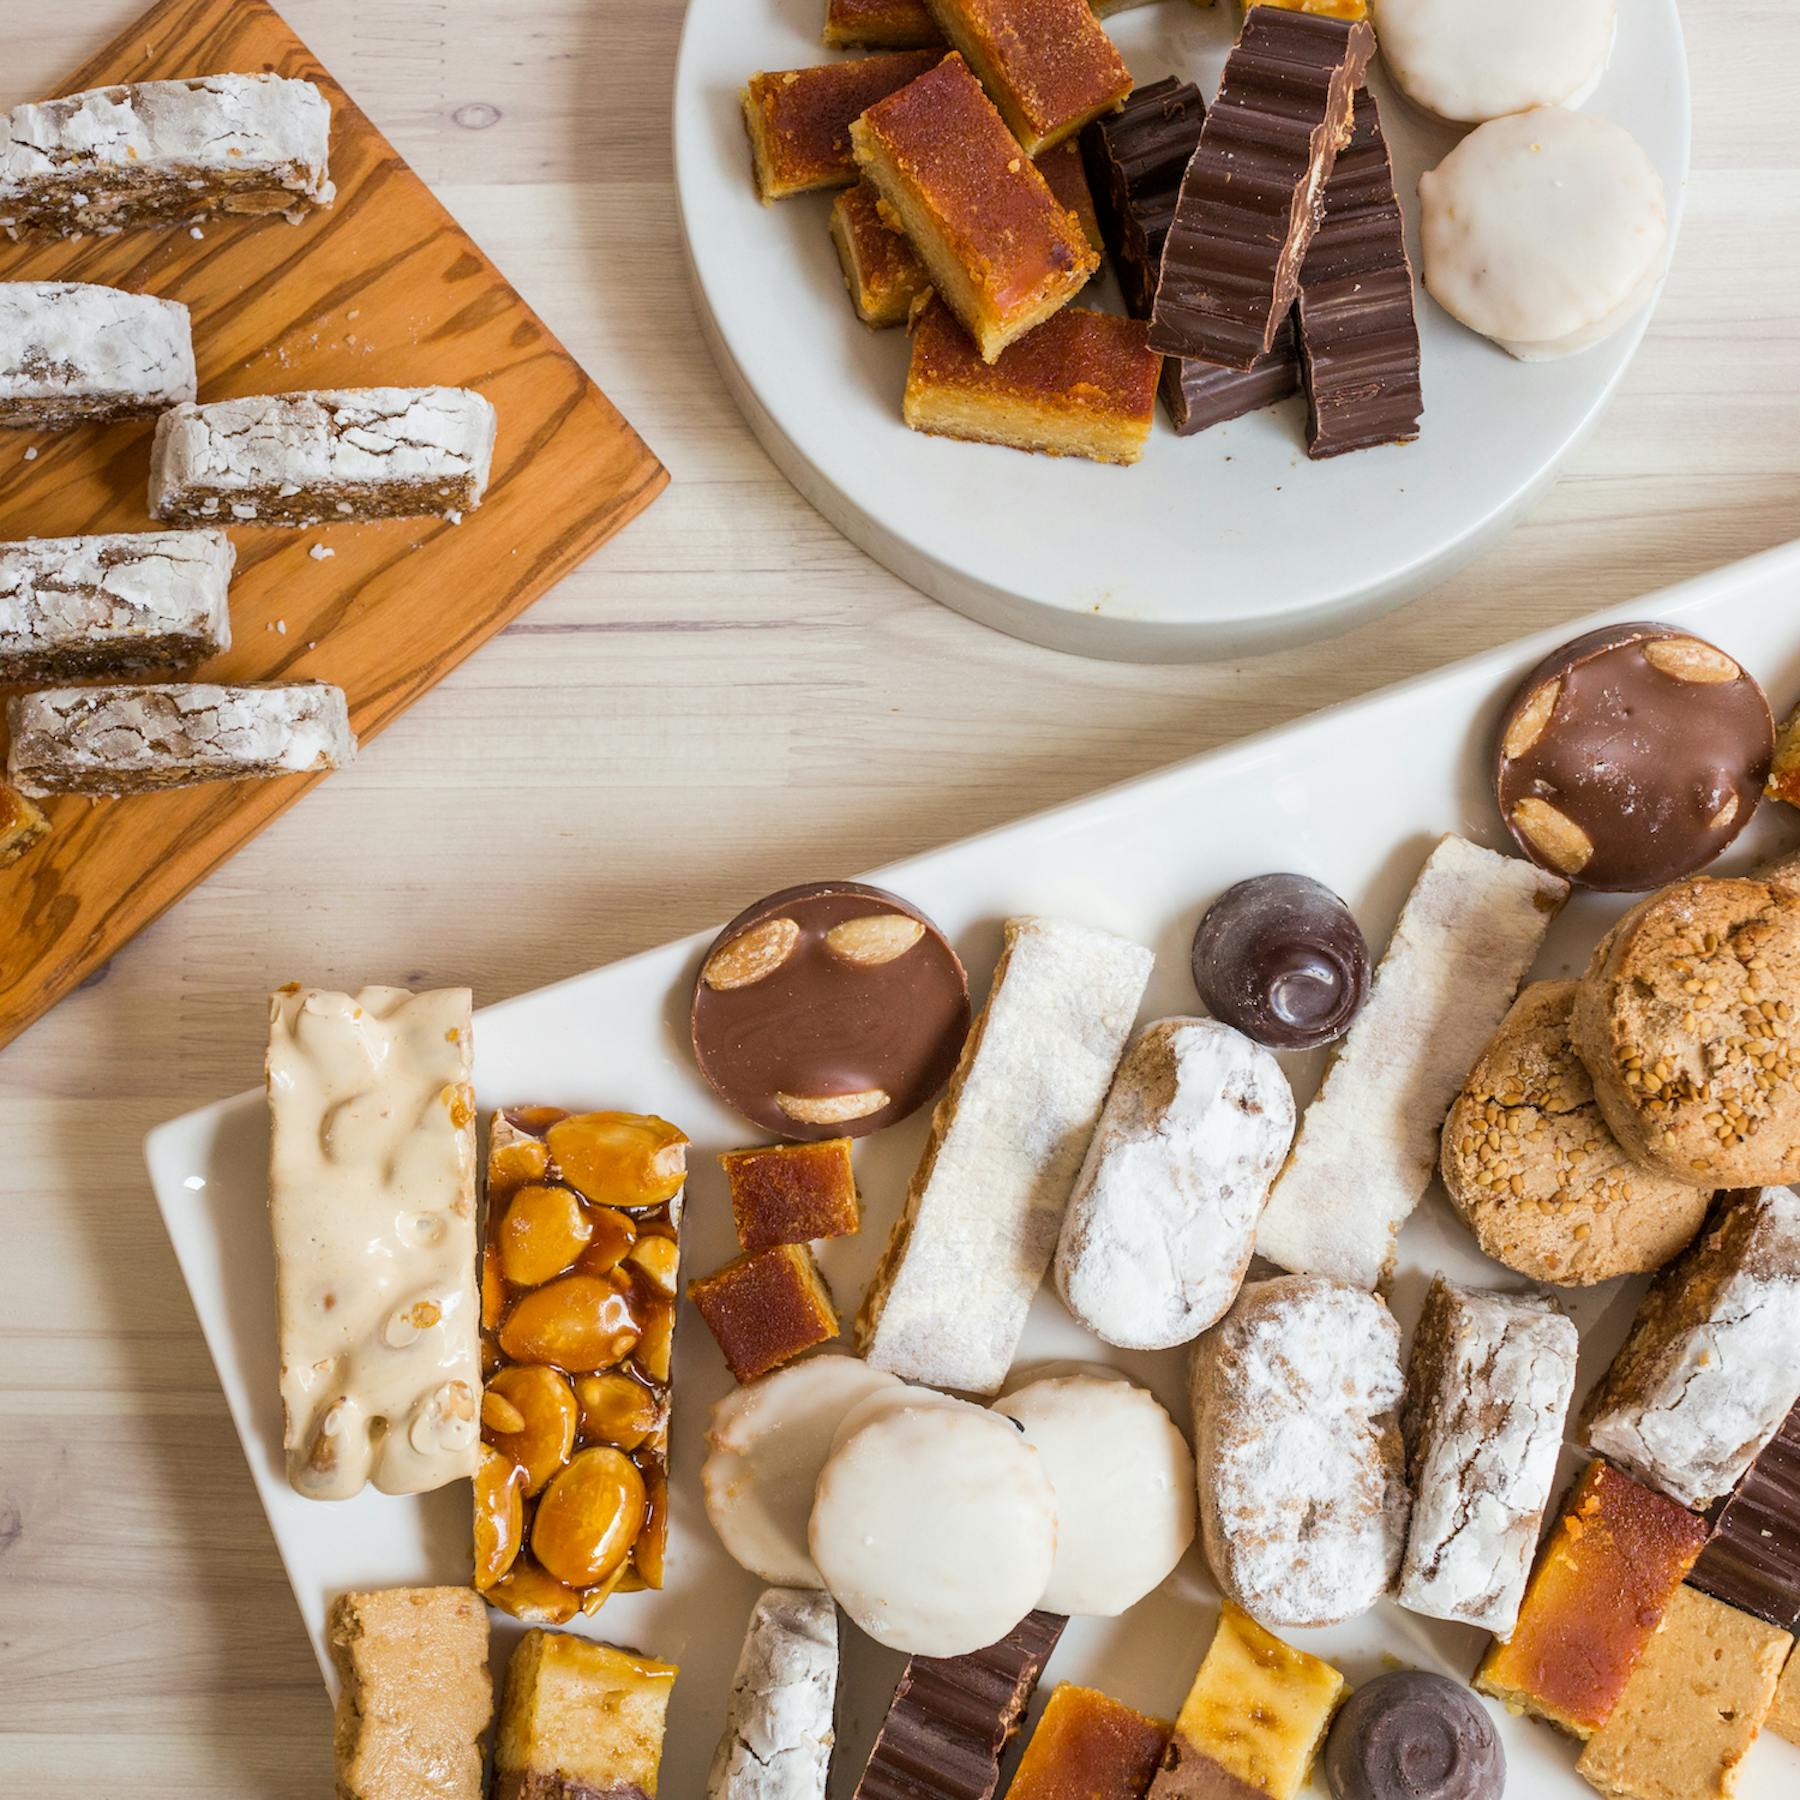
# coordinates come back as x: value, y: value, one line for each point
x: 1253, y: 192
x: 951, y: 1719
x: 1359, y: 340
x: 1198, y: 395
x: 1752, y: 1561
x: 74, y: 353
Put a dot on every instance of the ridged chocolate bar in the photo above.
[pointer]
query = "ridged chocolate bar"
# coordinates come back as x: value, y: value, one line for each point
x: 1753, y: 1559
x: 1198, y: 395
x: 1253, y: 192
x: 951, y: 1718
x: 1359, y: 340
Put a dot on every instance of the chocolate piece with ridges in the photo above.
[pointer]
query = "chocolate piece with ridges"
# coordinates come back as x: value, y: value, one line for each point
x: 1359, y: 340
x: 951, y: 1718
x: 1253, y: 192
x: 1753, y: 1559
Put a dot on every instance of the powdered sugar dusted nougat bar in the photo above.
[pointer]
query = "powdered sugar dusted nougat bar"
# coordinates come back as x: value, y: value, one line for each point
x: 136, y: 740
x: 73, y: 352
x: 113, y: 605
x: 982, y: 1215
x: 338, y: 453
x: 780, y: 1721
x: 164, y: 153
x: 1487, y: 1391
x: 372, y: 1209
x: 1710, y: 1369
x: 1470, y: 930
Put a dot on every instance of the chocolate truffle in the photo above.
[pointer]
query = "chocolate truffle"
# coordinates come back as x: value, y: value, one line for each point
x: 1281, y: 958
x: 1410, y: 1735
x: 1632, y: 756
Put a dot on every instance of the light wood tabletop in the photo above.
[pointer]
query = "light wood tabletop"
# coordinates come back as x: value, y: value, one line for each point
x: 729, y: 697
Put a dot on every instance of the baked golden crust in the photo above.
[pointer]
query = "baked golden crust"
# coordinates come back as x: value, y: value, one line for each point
x: 1002, y: 252
x: 799, y: 119
x: 1082, y: 384
x: 1048, y: 64
x: 1062, y: 167
x: 1535, y: 1170
x: 1685, y: 1026
x: 765, y: 1308
x: 881, y: 25
x: 881, y: 269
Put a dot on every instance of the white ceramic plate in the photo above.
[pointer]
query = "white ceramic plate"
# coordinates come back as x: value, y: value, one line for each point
x: 1354, y: 796
x: 1213, y: 545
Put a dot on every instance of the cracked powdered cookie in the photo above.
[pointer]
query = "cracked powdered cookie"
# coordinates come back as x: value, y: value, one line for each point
x: 1684, y: 1023
x: 74, y: 353
x: 1535, y: 1170
x: 779, y: 1728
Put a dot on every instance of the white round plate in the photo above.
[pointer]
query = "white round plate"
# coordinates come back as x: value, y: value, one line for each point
x: 1213, y: 545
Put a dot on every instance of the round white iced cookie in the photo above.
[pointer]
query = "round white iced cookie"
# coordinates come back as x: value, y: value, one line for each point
x: 1546, y: 231
x: 883, y: 1401
x: 768, y: 1442
x: 1123, y: 1477
x: 1470, y: 60
x: 935, y: 1528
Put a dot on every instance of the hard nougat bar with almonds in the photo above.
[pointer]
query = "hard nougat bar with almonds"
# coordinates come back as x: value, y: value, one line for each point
x: 73, y: 608
x: 165, y: 153
x: 578, y: 1284
x: 580, y: 1721
x: 372, y: 1209
x: 334, y: 455
x: 140, y: 740
x: 76, y: 353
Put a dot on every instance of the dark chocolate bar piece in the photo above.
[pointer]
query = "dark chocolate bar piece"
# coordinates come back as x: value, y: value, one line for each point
x: 1752, y: 1561
x: 1135, y: 160
x: 1359, y: 340
x: 1254, y: 190
x: 952, y: 1718
x: 1198, y: 395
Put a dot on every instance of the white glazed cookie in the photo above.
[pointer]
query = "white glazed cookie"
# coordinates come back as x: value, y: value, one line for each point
x: 935, y: 1528
x: 1124, y: 1482
x: 1303, y: 1499
x: 779, y: 1722
x: 1546, y: 231
x: 766, y: 1445
x: 1162, y: 1222
x: 884, y: 1400
x: 1470, y: 60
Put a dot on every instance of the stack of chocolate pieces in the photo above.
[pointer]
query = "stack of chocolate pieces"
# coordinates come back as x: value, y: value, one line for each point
x: 1752, y: 1560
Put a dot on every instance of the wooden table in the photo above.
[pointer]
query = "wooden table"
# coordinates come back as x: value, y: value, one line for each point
x: 729, y: 697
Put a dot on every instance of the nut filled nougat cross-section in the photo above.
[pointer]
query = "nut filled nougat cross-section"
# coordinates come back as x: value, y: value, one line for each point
x: 372, y: 1207
x: 578, y: 1286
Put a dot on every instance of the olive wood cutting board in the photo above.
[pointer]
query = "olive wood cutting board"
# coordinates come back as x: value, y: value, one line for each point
x: 382, y: 288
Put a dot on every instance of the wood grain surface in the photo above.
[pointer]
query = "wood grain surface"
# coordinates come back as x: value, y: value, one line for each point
x: 725, y: 698
x: 380, y: 289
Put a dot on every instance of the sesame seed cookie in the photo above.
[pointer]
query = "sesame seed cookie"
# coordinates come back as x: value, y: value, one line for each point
x: 1685, y: 1026
x: 1537, y: 1174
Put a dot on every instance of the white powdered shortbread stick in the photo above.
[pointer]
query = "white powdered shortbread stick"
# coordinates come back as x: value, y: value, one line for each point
x: 1469, y: 932
x: 139, y: 740
x: 779, y: 1722
x: 982, y: 1215
x: 1163, y: 1220
x: 114, y: 605
x: 74, y: 353
x: 1487, y: 1393
x: 333, y: 454
x: 164, y: 153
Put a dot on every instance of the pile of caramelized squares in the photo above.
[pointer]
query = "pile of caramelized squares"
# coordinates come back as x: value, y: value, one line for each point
x: 578, y: 1287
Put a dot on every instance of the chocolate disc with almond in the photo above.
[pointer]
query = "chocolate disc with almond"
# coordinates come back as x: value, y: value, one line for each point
x: 829, y: 1010
x: 1632, y: 756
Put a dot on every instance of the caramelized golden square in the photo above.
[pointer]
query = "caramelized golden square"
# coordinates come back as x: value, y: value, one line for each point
x: 580, y: 1717
x: 1048, y: 63
x: 792, y: 1193
x: 1602, y: 1580
x: 765, y: 1308
x: 1001, y: 251
x: 1088, y: 1746
x: 881, y: 269
x: 22, y: 824
x: 880, y: 25
x: 1784, y: 1719
x: 1082, y: 384
x: 799, y: 119
x: 1784, y: 771
x: 1064, y: 170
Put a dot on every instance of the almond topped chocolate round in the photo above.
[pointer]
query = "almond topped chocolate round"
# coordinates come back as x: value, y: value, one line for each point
x: 829, y: 1010
x: 1632, y: 756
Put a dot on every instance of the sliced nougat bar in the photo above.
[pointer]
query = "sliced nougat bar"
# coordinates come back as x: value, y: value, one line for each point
x: 165, y: 153
x: 333, y: 454
x: 73, y: 352
x: 113, y: 605
x: 22, y: 826
x: 136, y: 740
x: 372, y: 1209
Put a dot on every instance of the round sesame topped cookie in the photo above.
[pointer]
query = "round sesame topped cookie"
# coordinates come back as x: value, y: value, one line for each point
x: 1685, y: 1026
